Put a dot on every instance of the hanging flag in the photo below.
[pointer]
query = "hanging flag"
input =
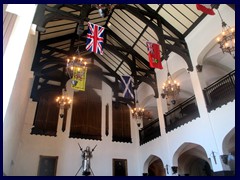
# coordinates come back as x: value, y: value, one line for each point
x: 79, y: 79
x: 205, y: 8
x: 154, y: 55
x: 95, y: 38
x: 126, y: 87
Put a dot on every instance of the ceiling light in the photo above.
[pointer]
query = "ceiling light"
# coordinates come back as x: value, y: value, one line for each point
x: 63, y: 102
x: 76, y: 68
x: 227, y: 38
x: 171, y: 88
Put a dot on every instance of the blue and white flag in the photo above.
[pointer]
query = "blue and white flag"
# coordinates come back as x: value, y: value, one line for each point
x: 126, y: 87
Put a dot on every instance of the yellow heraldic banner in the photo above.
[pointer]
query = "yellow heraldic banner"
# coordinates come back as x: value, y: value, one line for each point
x: 79, y: 78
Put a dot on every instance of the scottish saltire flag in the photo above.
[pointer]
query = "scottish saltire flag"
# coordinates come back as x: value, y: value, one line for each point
x: 95, y: 38
x: 126, y: 87
x: 79, y: 79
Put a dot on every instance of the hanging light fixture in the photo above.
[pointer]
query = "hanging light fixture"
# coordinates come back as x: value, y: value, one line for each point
x: 63, y: 102
x: 137, y: 113
x: 104, y: 9
x: 227, y: 38
x: 171, y: 88
x: 76, y: 68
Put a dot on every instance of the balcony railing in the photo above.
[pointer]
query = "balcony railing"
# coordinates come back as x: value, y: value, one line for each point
x: 181, y: 114
x: 220, y: 92
x: 149, y: 132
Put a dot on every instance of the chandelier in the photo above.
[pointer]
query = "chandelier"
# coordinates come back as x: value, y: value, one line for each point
x: 63, y: 102
x: 76, y: 68
x: 137, y: 113
x: 104, y: 9
x: 227, y: 38
x: 171, y: 88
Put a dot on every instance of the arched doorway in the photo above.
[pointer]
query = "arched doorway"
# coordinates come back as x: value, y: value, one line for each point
x: 192, y: 160
x: 154, y: 166
x: 228, y: 146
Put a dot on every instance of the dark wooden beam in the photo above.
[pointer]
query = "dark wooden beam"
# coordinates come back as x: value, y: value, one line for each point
x: 56, y: 50
x: 57, y: 39
x: 34, y: 87
x: 51, y: 78
x: 128, y: 61
x: 108, y: 82
x: 148, y: 81
x: 63, y: 15
x: 106, y: 66
x: 154, y: 15
x: 232, y: 6
x: 159, y: 32
x: 130, y: 49
x: 194, y: 24
x: 39, y: 17
x: 184, y: 55
x: 52, y: 68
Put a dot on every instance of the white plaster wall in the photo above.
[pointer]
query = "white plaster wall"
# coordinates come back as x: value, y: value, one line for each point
x: 203, y: 38
x: 222, y: 122
x: 199, y: 131
x: 207, y: 131
x: 15, y: 114
x: 67, y: 150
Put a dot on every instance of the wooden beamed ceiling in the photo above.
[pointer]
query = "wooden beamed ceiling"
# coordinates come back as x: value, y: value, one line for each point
x: 63, y: 27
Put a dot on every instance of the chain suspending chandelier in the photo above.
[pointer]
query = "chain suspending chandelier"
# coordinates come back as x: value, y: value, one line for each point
x: 137, y: 112
x: 171, y: 88
x: 63, y: 102
x: 227, y: 38
x: 76, y: 68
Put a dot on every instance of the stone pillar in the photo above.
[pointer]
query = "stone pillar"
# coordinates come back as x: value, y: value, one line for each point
x: 15, y: 47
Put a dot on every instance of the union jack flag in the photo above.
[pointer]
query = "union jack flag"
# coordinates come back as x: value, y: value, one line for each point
x: 95, y: 38
x: 149, y: 47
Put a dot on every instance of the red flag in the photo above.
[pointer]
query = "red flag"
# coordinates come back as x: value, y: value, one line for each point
x: 154, y: 55
x: 205, y: 8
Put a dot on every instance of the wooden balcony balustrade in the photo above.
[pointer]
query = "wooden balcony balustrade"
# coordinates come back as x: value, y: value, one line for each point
x: 149, y: 132
x: 181, y: 114
x: 220, y: 92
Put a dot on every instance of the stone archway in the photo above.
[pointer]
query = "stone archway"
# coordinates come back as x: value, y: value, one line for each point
x: 191, y: 160
x: 153, y: 166
x: 228, y: 146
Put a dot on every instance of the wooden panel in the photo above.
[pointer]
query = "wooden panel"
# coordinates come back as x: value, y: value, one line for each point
x: 46, y: 116
x: 107, y: 120
x: 94, y: 77
x: 86, y: 115
x: 121, y: 123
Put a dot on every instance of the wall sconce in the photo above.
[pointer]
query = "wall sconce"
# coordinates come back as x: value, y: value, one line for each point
x: 167, y: 168
x: 199, y: 68
x: 174, y: 169
x: 224, y: 158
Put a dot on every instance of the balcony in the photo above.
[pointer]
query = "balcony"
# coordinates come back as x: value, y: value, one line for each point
x: 220, y: 92
x: 181, y: 114
x: 149, y: 132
